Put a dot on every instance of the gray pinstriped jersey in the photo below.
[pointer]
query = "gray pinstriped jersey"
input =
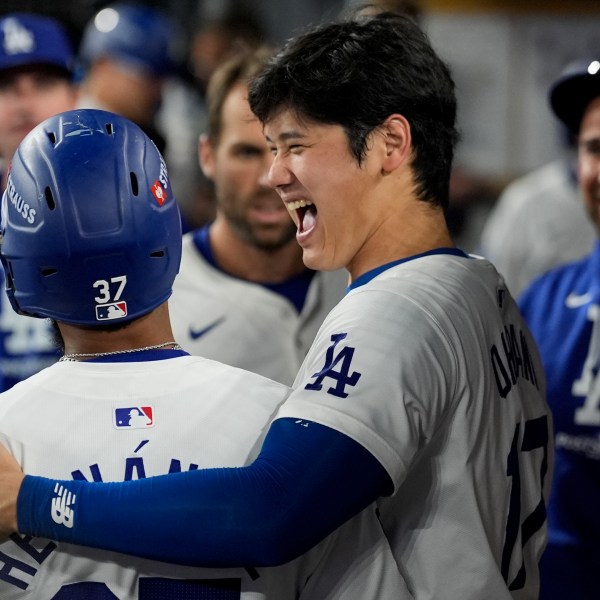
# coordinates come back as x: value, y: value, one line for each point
x: 430, y: 367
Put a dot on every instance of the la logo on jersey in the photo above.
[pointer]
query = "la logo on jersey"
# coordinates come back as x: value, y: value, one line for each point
x: 133, y: 417
x: 107, y: 312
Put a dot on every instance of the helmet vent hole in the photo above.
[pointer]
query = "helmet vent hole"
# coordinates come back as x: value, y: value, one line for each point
x: 48, y: 271
x: 134, y: 184
x: 52, y: 137
x: 157, y: 254
x: 109, y: 128
x: 49, y: 198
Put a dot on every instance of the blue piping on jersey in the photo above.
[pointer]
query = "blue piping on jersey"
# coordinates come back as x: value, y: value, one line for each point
x: 369, y: 275
x: 139, y: 356
x: 295, y: 289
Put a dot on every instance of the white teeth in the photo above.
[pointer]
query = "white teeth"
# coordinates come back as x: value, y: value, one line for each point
x: 298, y: 204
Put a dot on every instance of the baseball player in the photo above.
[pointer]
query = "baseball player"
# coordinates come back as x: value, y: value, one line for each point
x: 127, y: 52
x: 36, y: 71
x: 562, y: 309
x: 97, y: 249
x: 243, y: 295
x: 423, y: 389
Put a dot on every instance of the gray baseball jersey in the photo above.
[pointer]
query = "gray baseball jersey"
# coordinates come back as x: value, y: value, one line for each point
x: 128, y: 420
x: 428, y: 364
x: 244, y: 324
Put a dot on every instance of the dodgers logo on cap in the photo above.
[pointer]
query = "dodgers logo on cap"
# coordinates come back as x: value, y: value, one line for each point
x: 17, y: 39
x: 30, y: 39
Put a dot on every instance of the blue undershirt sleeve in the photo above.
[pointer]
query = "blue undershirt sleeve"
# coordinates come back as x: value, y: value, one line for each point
x: 307, y: 480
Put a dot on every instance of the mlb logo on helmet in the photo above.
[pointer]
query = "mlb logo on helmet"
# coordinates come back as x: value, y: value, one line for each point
x: 107, y: 312
x: 133, y: 417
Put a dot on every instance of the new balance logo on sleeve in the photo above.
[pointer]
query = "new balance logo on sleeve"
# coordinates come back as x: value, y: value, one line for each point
x: 61, y: 507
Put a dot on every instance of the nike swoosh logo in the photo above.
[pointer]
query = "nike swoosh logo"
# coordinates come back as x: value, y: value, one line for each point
x: 576, y: 300
x: 198, y: 333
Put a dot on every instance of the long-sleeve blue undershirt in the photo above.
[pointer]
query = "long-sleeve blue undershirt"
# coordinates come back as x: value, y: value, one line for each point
x: 306, y: 482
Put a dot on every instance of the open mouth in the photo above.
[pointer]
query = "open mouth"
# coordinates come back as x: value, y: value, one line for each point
x: 306, y: 214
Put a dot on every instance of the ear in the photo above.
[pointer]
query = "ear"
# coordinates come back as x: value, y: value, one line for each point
x: 206, y: 156
x: 398, y: 142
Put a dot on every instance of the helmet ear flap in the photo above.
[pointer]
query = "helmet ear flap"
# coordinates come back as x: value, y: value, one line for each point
x: 9, y: 288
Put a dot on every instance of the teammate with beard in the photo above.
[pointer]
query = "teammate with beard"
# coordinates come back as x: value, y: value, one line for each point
x: 243, y: 295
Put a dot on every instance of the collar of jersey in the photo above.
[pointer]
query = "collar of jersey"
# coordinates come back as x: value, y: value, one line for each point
x: 295, y: 289
x: 139, y: 356
x: 369, y: 275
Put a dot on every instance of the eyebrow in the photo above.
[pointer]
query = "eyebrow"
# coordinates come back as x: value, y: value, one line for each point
x: 287, y: 135
x: 591, y: 139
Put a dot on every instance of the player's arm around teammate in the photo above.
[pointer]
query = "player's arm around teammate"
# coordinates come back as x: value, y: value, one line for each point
x: 412, y: 393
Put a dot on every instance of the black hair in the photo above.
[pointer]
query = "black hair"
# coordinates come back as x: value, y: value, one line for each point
x: 357, y: 73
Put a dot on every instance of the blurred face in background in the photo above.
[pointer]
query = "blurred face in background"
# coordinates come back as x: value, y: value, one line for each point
x: 589, y: 160
x: 238, y: 163
x: 125, y: 89
x: 28, y: 96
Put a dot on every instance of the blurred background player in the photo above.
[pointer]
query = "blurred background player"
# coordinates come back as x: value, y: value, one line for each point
x: 243, y: 295
x: 36, y: 82
x: 184, y: 115
x: 539, y: 221
x: 131, y: 55
x: 127, y: 51
x: 137, y: 404
x: 562, y: 308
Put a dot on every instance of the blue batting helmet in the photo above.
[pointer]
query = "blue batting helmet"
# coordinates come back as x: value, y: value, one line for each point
x: 135, y: 34
x: 90, y: 231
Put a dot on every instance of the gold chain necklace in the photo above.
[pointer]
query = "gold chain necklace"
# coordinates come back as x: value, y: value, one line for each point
x: 76, y: 356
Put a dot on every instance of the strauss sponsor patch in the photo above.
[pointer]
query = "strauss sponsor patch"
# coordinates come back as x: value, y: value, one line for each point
x: 22, y: 208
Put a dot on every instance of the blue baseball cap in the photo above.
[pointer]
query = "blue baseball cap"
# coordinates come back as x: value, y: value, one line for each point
x: 574, y: 89
x: 135, y: 34
x: 28, y: 39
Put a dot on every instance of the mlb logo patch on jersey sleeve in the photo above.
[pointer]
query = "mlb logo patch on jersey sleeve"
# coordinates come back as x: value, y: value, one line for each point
x: 133, y: 417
